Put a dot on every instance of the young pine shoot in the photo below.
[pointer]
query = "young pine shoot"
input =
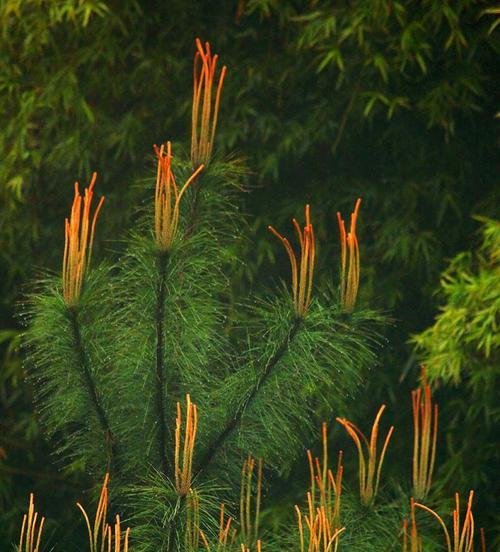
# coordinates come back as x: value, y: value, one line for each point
x: 370, y: 466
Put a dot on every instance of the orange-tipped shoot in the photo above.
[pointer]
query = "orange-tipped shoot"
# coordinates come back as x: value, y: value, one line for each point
x: 79, y: 238
x: 303, y: 271
x: 326, y: 487
x: 416, y: 544
x: 370, y: 465
x: 29, y: 541
x: 183, y: 462
x: 102, y: 535
x: 349, y: 261
x: 205, y: 103
x: 168, y: 198
x: 462, y: 538
x: 425, y: 426
x: 249, y: 524
x: 315, y: 531
x: 225, y: 538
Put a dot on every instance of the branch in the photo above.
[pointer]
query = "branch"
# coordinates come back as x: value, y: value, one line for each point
x: 160, y: 364
x: 91, y: 386
x: 264, y: 376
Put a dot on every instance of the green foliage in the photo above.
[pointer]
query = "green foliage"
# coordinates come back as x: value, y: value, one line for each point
x: 392, y: 101
x: 464, y: 340
x: 463, y: 345
x: 109, y: 371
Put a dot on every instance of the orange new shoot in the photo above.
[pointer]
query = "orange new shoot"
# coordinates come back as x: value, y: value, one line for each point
x: 223, y: 540
x: 425, y: 425
x: 370, y: 466
x: 415, y: 540
x: 79, y: 239
x: 349, y: 261
x: 462, y: 539
x: 326, y: 488
x: 184, y: 473
x: 204, y: 120
x: 101, y: 535
x: 302, y: 273
x: 250, y: 528
x: 322, y: 520
x: 318, y: 535
x: 27, y: 542
x: 168, y: 198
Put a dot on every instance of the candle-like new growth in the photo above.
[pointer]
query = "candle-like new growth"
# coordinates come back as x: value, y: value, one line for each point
x: 79, y: 238
x: 114, y: 537
x: 303, y: 271
x: 349, y: 261
x: 167, y: 198
x: 27, y: 542
x: 205, y: 104
x: 326, y: 487
x: 370, y: 466
x: 99, y: 529
x: 250, y: 527
x: 416, y: 544
x: 462, y: 539
x: 322, y: 520
x: 224, y: 541
x: 102, y: 536
x: 316, y: 534
x: 425, y: 426
x: 183, y: 467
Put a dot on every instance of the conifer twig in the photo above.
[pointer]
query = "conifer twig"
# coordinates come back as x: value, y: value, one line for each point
x: 167, y: 205
x: 303, y: 271
x: 27, y: 542
x: 234, y: 422
x: 349, y: 261
x: 370, y: 466
x: 91, y: 387
x: 79, y: 239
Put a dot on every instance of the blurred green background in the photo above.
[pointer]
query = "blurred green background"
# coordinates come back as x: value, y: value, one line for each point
x: 392, y: 101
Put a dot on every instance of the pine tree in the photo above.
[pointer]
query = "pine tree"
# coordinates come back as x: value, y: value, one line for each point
x: 137, y: 376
